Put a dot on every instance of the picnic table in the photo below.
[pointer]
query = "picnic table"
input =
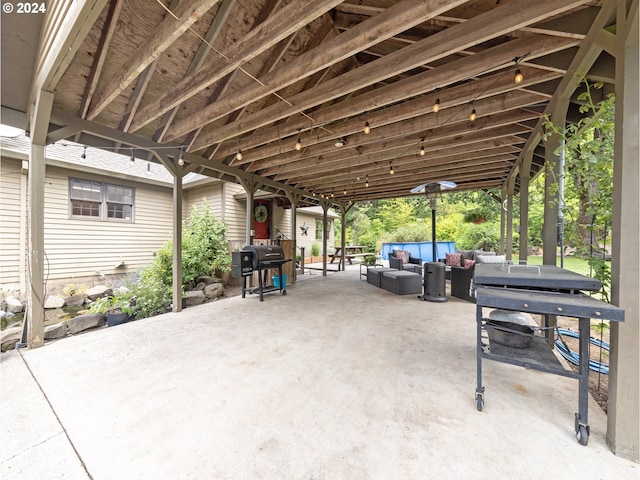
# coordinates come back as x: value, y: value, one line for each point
x: 350, y: 252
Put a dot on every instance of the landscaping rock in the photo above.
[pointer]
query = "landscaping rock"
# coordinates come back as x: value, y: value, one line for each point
x: 9, y: 338
x: 194, y: 297
x: 98, y: 291
x: 214, y: 290
x: 207, y: 280
x: 53, y: 301
x: 85, y: 322
x: 14, y: 305
x: 75, y: 300
x: 54, y: 315
x: 53, y: 332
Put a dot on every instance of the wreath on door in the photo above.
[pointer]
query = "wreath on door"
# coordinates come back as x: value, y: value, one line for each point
x: 261, y: 213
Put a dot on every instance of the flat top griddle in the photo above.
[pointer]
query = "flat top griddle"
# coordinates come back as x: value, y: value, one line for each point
x: 542, y: 277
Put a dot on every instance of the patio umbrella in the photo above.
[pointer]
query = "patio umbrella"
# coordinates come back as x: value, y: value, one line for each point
x: 431, y: 190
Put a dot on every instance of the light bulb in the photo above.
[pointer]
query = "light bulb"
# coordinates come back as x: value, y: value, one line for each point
x: 239, y: 155
x: 366, y: 181
x: 181, y: 157
x: 298, y: 142
x: 518, y: 77
x: 436, y: 105
x: 391, y: 172
x: 132, y: 160
x: 367, y: 128
x: 473, y: 115
x: 422, y: 152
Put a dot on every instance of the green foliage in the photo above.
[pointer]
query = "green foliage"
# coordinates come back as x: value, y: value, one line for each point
x: 485, y: 236
x: 589, y: 152
x: 315, y: 249
x: 602, y: 272
x: 118, y: 303
x: 74, y: 289
x: 412, y: 232
x: 204, y: 249
x: 369, y: 260
x: 153, y: 296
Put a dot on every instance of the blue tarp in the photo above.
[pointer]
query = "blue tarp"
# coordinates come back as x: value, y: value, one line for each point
x: 423, y: 250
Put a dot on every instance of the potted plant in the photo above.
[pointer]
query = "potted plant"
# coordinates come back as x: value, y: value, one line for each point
x: 117, y: 308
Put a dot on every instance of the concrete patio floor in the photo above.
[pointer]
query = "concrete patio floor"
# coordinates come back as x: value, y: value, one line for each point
x: 335, y: 380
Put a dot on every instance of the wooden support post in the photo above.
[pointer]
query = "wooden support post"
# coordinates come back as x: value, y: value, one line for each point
x: 623, y: 419
x: 177, y: 238
x: 525, y: 175
x: 35, y: 184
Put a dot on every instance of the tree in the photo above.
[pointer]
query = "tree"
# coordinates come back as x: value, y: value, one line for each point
x: 588, y: 148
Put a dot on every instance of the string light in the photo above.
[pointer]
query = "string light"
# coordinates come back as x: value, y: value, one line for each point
x: 239, y: 152
x: 366, y: 181
x: 181, y: 157
x: 132, y: 160
x: 422, y: 152
x: 298, y: 142
x: 84, y: 153
x: 391, y: 172
x: 367, y: 127
x: 345, y: 191
x: 519, y: 78
x: 436, y: 105
x: 472, y: 115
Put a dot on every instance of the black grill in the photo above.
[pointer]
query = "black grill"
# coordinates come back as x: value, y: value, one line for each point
x: 260, y: 258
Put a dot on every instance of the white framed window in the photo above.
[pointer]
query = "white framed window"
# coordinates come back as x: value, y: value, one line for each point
x: 100, y: 201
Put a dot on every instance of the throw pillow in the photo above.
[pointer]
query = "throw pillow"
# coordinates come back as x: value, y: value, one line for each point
x: 491, y: 259
x: 402, y: 255
x: 469, y: 263
x: 453, y: 259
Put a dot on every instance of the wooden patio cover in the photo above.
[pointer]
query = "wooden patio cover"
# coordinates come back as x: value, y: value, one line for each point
x: 204, y: 79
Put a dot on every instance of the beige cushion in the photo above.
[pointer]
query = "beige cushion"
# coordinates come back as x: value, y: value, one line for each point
x: 491, y: 259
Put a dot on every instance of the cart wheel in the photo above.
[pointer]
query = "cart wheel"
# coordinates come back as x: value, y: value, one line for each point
x: 582, y: 434
x: 284, y: 292
x: 479, y: 402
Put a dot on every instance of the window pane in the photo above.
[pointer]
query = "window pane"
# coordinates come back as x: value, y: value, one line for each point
x: 318, y: 229
x: 85, y: 191
x: 116, y: 210
x: 85, y: 209
x: 119, y: 194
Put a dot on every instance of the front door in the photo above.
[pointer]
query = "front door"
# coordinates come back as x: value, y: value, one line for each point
x: 262, y: 219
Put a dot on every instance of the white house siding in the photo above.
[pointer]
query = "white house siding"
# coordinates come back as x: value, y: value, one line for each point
x: 11, y: 246
x: 211, y: 193
x: 235, y: 212
x: 309, y: 239
x: 78, y: 247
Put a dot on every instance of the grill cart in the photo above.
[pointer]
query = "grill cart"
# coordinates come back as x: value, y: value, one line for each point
x: 261, y: 259
x: 546, y: 290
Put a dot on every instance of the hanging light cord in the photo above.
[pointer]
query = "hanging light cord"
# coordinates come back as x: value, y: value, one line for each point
x: 250, y: 75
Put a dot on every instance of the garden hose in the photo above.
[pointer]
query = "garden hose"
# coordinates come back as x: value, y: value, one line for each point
x: 574, y: 357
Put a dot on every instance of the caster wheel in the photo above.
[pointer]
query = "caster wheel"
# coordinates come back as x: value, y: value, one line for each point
x: 582, y: 434
x: 284, y: 292
x: 479, y: 403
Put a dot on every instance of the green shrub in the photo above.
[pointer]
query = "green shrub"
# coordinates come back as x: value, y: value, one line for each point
x: 315, y: 250
x: 204, y: 249
x: 152, y: 295
x: 484, y: 236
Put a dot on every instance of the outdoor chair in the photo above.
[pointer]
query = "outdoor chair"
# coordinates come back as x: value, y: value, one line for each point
x: 402, y: 260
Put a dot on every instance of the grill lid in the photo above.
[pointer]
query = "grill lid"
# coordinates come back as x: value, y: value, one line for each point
x: 265, y: 253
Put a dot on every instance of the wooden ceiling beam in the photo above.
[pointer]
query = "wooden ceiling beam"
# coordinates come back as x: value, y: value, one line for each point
x: 424, y: 82
x: 407, y: 166
x: 384, y: 25
x: 287, y: 21
x: 198, y: 60
x: 501, y: 20
x: 171, y: 28
x: 418, y: 127
x: 456, y: 97
x: 109, y: 28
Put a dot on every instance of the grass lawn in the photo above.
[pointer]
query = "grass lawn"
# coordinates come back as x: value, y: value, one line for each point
x: 574, y: 264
